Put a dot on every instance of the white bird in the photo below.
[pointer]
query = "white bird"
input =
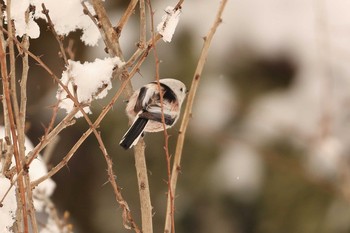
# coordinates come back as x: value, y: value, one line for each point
x: 145, y: 111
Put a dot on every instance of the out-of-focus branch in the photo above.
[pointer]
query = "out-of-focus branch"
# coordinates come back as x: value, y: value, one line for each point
x: 45, y: 11
x: 126, y: 211
x: 188, y: 112
x: 166, y: 136
x: 108, y: 32
x: 124, y: 19
x: 5, y: 82
x: 142, y: 42
x: 112, y: 39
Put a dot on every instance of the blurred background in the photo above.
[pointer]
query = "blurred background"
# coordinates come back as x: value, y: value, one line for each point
x: 267, y: 149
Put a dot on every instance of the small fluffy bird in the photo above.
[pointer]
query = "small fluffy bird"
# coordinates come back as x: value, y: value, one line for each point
x: 144, y: 109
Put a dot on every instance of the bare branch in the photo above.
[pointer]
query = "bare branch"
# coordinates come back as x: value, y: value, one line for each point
x: 142, y: 178
x: 188, y: 111
x: 124, y: 19
x: 5, y: 82
x: 59, y: 39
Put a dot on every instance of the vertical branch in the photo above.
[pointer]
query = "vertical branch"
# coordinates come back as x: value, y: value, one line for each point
x: 111, y: 36
x: 139, y: 151
x: 187, y: 113
x: 22, y: 205
x: 142, y: 178
x: 142, y: 42
x: 124, y: 19
x: 12, y: 74
x: 21, y: 127
x: 7, y: 145
x: 166, y: 136
x: 23, y: 83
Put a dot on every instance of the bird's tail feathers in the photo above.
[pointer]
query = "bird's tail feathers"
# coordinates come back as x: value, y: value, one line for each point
x: 132, y: 136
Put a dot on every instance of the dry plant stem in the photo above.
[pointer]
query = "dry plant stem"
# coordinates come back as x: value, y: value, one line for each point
x: 140, y: 51
x: 142, y: 178
x: 112, y: 38
x: 67, y: 121
x: 6, y: 119
x: 20, y: 116
x: 126, y: 211
x: 124, y: 19
x: 23, y: 85
x: 30, y: 204
x: 166, y: 136
x: 7, y: 161
x: 178, y: 5
x: 21, y: 206
x: 104, y: 112
x: 188, y: 111
x: 47, y: 155
x: 11, y: 55
x: 50, y: 72
x: 45, y: 11
x: 143, y: 28
x: 139, y: 154
x: 108, y: 32
x: 21, y: 129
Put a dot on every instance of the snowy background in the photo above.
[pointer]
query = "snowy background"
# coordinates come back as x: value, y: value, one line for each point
x: 267, y: 149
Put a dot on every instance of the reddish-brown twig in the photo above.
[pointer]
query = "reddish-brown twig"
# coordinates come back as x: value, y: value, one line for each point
x: 187, y: 113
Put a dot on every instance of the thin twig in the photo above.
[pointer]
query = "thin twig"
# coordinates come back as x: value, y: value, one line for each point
x: 22, y: 206
x: 166, y: 136
x: 143, y: 28
x: 21, y: 128
x: 138, y: 53
x: 59, y: 39
x: 188, y: 110
x: 43, y: 143
x: 124, y: 19
x: 118, y: 195
x: 50, y: 149
x: 109, y: 33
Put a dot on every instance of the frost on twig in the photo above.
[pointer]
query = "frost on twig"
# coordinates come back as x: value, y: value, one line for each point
x: 87, y: 81
x: 169, y: 22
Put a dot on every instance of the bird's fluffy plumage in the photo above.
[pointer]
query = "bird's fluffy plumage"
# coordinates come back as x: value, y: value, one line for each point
x: 144, y: 109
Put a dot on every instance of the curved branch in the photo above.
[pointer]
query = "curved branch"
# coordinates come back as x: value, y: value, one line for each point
x: 187, y: 114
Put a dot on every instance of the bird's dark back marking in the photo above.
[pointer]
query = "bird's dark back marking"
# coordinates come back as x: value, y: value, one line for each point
x: 138, y: 105
x: 168, y: 94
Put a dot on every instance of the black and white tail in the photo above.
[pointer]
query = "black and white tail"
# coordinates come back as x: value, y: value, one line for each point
x: 132, y: 136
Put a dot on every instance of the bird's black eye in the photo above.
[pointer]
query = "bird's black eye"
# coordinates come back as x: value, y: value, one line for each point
x: 181, y: 89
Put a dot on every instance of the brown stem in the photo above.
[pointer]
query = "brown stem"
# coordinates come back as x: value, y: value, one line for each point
x: 124, y: 19
x: 22, y: 206
x: 188, y: 111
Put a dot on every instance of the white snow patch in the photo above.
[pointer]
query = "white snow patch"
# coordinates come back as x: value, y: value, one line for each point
x: 8, y: 210
x: 66, y: 15
x: 88, y: 78
x: 169, y: 22
x: 45, y: 189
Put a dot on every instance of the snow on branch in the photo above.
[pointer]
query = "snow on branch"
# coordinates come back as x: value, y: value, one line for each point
x: 43, y: 191
x: 67, y: 16
x: 169, y: 22
x: 87, y: 81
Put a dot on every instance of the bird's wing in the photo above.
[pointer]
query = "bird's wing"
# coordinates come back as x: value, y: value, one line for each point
x: 157, y: 116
